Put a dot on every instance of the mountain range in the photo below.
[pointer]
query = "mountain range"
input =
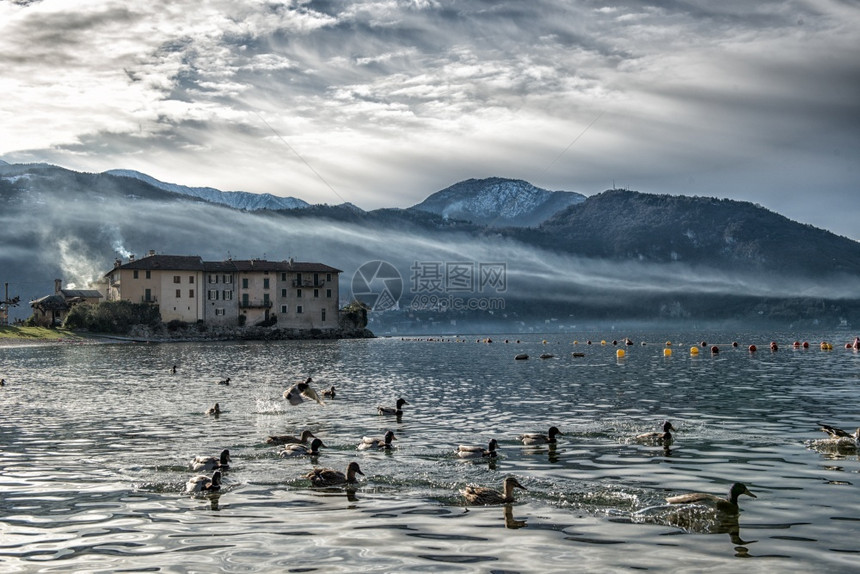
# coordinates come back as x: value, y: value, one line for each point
x: 570, y: 258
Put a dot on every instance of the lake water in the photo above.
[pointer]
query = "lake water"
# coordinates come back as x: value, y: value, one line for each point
x: 95, y: 441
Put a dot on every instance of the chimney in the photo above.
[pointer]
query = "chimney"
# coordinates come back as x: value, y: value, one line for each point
x: 131, y: 257
x: 58, y: 284
x: 150, y: 253
x: 117, y: 263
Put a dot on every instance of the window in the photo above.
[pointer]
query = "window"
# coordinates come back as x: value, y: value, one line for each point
x: 266, y: 299
x: 191, y: 293
x: 316, y: 278
x: 328, y: 276
x: 245, y: 299
x: 148, y: 274
x: 283, y: 276
x: 191, y: 279
x: 134, y: 273
x: 299, y: 309
x: 266, y: 283
x: 245, y: 283
x: 299, y: 293
x: 147, y: 295
x: 227, y: 279
x: 316, y: 293
x: 219, y: 312
x: 283, y: 309
x: 178, y: 293
x: 213, y: 278
x: 177, y: 279
x: 284, y: 293
x: 323, y: 315
x: 298, y: 278
x: 212, y: 295
x: 328, y: 293
x: 228, y: 295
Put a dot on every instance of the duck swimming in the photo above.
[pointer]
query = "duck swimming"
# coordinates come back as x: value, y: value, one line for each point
x: 330, y: 477
x: 224, y: 381
x: 377, y: 443
x: 472, y: 451
x: 842, y: 439
x: 330, y: 393
x: 294, y: 449
x: 214, y: 409
x: 538, y: 438
x: 664, y: 438
x: 296, y: 394
x: 837, y: 432
x: 288, y: 439
x: 212, y: 463
x: 203, y: 483
x: 727, y: 506
x: 483, y: 495
x: 398, y: 410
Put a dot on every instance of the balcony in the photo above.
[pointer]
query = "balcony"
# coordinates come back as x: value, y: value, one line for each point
x: 308, y: 283
x: 264, y: 304
x: 150, y: 300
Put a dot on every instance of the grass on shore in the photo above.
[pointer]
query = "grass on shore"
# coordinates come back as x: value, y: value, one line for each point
x: 13, y: 332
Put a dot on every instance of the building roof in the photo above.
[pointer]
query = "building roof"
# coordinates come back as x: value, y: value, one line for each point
x: 54, y: 302
x: 164, y: 262
x: 292, y: 266
x: 195, y: 263
x: 82, y: 293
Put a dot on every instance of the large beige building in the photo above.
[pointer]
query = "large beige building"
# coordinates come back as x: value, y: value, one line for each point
x: 289, y: 294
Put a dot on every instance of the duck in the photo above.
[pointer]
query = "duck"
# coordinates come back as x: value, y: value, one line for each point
x: 214, y: 409
x: 289, y: 439
x: 224, y: 381
x: 398, y: 410
x: 841, y: 438
x: 294, y: 449
x: 538, y: 438
x: 663, y: 438
x: 329, y: 393
x: 330, y: 477
x: 838, y: 432
x: 2, y: 382
x: 296, y: 394
x: 378, y: 443
x: 203, y: 483
x: 725, y: 505
x: 472, y: 451
x: 221, y: 462
x: 484, y: 495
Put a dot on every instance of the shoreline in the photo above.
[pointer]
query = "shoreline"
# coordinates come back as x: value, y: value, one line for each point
x: 34, y: 336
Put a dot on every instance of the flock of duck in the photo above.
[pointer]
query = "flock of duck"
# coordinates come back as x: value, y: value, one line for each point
x: 306, y: 444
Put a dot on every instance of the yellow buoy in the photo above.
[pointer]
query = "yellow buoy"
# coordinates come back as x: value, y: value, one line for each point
x: 619, y: 353
x: 667, y: 352
x: 603, y: 342
x: 694, y: 350
x: 668, y: 343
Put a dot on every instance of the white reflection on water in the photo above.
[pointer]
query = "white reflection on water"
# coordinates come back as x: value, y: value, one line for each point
x: 96, y: 441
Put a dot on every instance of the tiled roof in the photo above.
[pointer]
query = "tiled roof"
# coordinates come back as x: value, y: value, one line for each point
x: 195, y: 263
x: 83, y: 293
x: 167, y: 262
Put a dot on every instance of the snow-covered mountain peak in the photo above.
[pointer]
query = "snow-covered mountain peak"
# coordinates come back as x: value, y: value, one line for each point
x: 235, y: 199
x: 499, y: 202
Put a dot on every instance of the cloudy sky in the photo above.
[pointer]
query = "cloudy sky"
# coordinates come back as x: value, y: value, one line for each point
x: 382, y: 102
